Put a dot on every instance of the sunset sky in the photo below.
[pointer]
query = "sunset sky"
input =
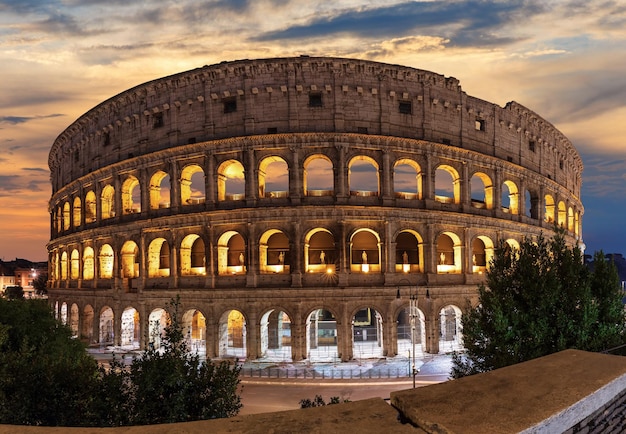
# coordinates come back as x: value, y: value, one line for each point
x: 565, y: 60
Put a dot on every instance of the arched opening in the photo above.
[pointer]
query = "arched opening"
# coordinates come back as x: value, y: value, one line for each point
x: 75, y: 265
x: 549, y: 208
x: 63, y: 318
x: 160, y: 190
x: 64, y: 266
x: 274, y: 253
x: 233, y: 333
x: 447, y: 185
x: 131, y: 196
x: 88, y: 263
x: 130, y: 328
x: 481, y: 189
x: 367, y: 334
x: 106, y: 326
x: 231, y: 181
x: 74, y: 317
x: 192, y: 256
x: 90, y: 207
x: 411, y: 331
x: 273, y: 177
x: 130, y: 260
x: 276, y: 336
x: 159, y: 258
x: 105, y: 259
x: 407, y: 179
x: 409, y: 253
x: 87, y: 324
x: 482, y: 253
x: 365, y: 252
x: 192, y: 185
x: 107, y: 202
x: 319, y: 251
x: 451, y: 332
x: 66, y: 216
x: 318, y: 176
x: 570, y: 219
x: 231, y: 254
x: 562, y: 217
x: 194, y: 327
x: 157, y: 322
x: 76, y: 219
x: 449, y: 253
x: 321, y: 336
x: 510, y: 198
x: 363, y: 176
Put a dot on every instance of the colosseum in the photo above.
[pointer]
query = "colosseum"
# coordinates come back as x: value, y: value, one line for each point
x: 301, y: 208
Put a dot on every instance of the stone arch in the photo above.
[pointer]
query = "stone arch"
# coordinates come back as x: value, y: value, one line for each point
x: 158, y: 320
x: 64, y: 266
x: 63, y: 317
x: 321, y: 336
x: 273, y: 177
x: 451, y: 331
x: 130, y: 328
x: 549, y: 209
x: 90, y: 207
x: 365, y: 254
x: 449, y: 257
x: 510, y: 197
x: 89, y: 263
x: 363, y: 176
x: 562, y: 215
x: 411, y: 331
x: 107, y: 202
x: 231, y: 253
x: 409, y: 252
x: 320, y: 253
x: 194, y: 329
x: 274, y: 252
x: 106, y: 329
x: 159, y: 258
x: 192, y: 185
x: 275, y: 335
x: 105, y: 259
x: 407, y: 179
x: 447, y: 184
x: 318, y: 176
x: 131, y: 196
x: 130, y: 260
x: 482, y: 190
x: 232, y: 334
x: 160, y: 190
x: 66, y: 216
x: 75, y: 265
x: 482, y: 253
x: 367, y: 334
x: 231, y: 181
x: 570, y: 219
x: 192, y: 256
x: 87, y: 323
x: 76, y: 211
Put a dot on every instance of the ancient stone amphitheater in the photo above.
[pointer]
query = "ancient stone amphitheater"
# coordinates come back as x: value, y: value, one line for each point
x: 302, y: 208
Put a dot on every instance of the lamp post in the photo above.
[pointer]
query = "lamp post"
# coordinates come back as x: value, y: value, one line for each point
x: 413, y: 318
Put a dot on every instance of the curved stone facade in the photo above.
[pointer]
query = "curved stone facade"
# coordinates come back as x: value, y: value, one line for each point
x: 298, y: 206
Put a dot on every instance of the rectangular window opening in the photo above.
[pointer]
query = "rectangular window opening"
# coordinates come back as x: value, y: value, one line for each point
x: 272, y: 130
x: 230, y: 105
x: 361, y: 130
x: 531, y: 146
x: 405, y: 107
x: 315, y: 99
x: 480, y: 125
x: 157, y: 120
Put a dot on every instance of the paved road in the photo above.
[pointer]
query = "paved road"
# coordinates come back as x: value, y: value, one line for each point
x: 275, y: 395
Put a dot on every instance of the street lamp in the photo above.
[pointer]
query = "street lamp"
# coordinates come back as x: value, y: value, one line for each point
x: 413, y: 316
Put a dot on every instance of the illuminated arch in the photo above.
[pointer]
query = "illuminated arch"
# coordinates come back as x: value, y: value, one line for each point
x: 411, y: 331
x: 321, y: 336
x: 130, y: 260
x: 449, y: 258
x: 130, y: 329
x: 86, y: 325
x: 75, y: 265
x: 76, y: 210
x: 105, y: 259
x: 482, y: 190
x: 194, y: 328
x: 131, y: 196
x: 107, y: 202
x: 447, y: 184
x: 407, y: 179
x: 192, y: 185
x: 274, y: 252
x: 562, y: 216
x: 510, y: 197
x: 367, y: 334
x: 66, y: 216
x: 275, y: 332
x: 231, y: 181
x: 158, y: 320
x: 365, y: 251
x: 88, y: 263
x: 482, y: 253
x: 570, y: 219
x: 64, y: 266
x: 192, y: 256
x: 232, y: 334
x: 451, y: 332
x: 363, y: 176
x: 409, y: 252
x: 549, y: 209
x: 107, y: 330
x: 273, y: 177
x: 231, y: 253
x: 319, y: 251
x: 318, y: 176
x: 90, y: 207
x: 160, y: 190
x: 158, y: 258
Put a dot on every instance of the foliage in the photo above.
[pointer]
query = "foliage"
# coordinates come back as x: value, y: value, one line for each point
x: 14, y: 292
x: 40, y: 284
x: 170, y: 384
x: 46, y: 377
x: 318, y: 401
x: 538, y: 300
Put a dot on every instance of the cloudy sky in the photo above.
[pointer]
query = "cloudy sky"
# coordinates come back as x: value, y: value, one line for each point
x: 566, y: 60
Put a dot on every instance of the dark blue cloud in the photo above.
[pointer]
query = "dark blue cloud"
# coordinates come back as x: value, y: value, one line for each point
x: 14, y: 120
x: 463, y: 23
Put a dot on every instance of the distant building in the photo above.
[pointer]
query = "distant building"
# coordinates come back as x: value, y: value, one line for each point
x: 21, y: 272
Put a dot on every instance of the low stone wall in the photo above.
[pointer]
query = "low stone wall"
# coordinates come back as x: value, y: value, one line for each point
x: 568, y: 392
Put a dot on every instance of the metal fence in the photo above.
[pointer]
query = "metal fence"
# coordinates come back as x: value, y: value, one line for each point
x: 326, y: 374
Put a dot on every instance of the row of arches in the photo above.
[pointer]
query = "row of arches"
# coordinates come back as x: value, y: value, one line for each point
x: 321, y: 250
x: 321, y: 337
x: 365, y: 176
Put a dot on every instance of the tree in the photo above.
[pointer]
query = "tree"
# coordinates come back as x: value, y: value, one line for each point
x: 14, y: 292
x: 46, y: 376
x: 538, y: 300
x: 40, y: 284
x: 171, y: 384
